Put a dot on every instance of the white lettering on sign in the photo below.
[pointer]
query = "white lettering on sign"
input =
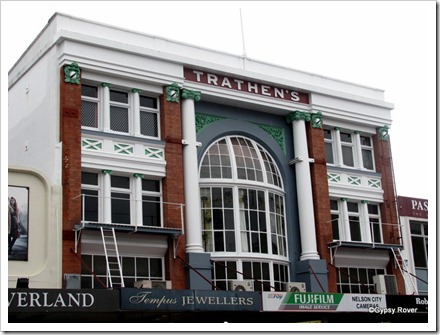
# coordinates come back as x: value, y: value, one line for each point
x: 236, y: 84
x: 419, y: 205
x: 37, y: 299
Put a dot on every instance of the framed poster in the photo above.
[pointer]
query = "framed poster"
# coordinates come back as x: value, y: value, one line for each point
x: 18, y: 218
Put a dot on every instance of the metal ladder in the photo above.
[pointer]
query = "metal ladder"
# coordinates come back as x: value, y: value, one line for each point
x: 400, y: 263
x: 114, y: 269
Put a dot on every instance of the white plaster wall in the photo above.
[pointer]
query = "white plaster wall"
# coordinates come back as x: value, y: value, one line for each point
x: 33, y: 116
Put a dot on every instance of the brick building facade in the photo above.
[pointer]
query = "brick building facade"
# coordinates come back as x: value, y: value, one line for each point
x: 209, y: 171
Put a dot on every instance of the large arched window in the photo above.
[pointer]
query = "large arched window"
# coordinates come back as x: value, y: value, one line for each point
x: 243, y: 214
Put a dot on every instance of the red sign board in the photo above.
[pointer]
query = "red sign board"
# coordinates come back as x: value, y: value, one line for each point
x: 413, y: 207
x: 242, y: 85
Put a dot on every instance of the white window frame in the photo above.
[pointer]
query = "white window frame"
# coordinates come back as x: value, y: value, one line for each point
x: 132, y: 191
x: 363, y: 217
x: 355, y: 145
x: 133, y: 105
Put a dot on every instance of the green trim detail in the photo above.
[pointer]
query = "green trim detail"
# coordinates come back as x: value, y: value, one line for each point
x: 203, y: 120
x: 138, y: 175
x: 189, y: 94
x: 106, y: 85
x: 136, y: 90
x: 316, y: 120
x: 172, y: 92
x: 298, y: 116
x: 276, y: 133
x: 107, y: 171
x: 72, y: 73
x: 383, y: 133
x: 344, y: 199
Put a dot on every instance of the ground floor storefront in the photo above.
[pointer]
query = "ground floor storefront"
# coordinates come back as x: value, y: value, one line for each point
x: 132, y: 305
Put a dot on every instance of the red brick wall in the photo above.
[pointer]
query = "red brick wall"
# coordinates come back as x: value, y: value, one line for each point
x: 70, y: 136
x: 321, y: 199
x: 173, y: 190
x: 388, y: 210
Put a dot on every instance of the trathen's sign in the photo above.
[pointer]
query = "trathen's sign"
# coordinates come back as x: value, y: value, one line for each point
x: 237, y: 84
x: 413, y: 207
x: 35, y: 300
x: 189, y: 300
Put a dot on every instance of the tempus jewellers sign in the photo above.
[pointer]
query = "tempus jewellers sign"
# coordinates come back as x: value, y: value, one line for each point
x: 245, y: 86
x: 189, y: 300
x: 322, y: 302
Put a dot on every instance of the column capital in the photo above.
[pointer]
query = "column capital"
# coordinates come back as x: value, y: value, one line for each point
x: 297, y: 116
x: 136, y: 90
x: 72, y: 73
x: 106, y: 85
x: 383, y: 133
x: 109, y: 172
x: 316, y: 119
x: 138, y: 175
x: 344, y: 199
x: 172, y: 92
x: 365, y: 201
x: 189, y: 94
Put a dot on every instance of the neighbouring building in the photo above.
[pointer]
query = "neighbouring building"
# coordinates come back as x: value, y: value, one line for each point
x: 141, y: 162
x: 413, y: 214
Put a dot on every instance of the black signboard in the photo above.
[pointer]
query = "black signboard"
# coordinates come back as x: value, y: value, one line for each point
x: 37, y: 300
x: 408, y: 303
x: 189, y: 300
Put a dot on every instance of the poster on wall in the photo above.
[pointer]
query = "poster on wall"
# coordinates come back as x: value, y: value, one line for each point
x: 18, y: 218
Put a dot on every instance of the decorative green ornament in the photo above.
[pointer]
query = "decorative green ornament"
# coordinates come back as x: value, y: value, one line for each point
x: 316, y: 120
x: 383, y: 133
x: 172, y: 92
x: 72, y: 73
x: 297, y: 116
x: 194, y: 95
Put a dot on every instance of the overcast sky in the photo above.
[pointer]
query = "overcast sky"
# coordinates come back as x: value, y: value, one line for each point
x: 386, y: 45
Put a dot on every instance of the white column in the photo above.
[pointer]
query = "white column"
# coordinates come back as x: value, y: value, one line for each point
x: 346, y: 236
x: 193, y: 224
x: 136, y: 112
x: 338, y: 148
x: 357, y: 150
x: 304, y: 187
x: 138, y: 216
x: 365, y: 222
x: 107, y: 202
x: 106, y: 106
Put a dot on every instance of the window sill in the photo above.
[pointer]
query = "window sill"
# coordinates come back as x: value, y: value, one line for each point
x: 129, y: 228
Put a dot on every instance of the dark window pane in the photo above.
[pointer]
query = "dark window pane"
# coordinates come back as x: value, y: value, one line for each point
x: 416, y: 227
x: 419, y: 251
x: 327, y: 133
x: 150, y: 185
x: 156, y: 268
x: 128, y: 267
x: 345, y: 137
x: 367, y: 159
x: 149, y: 124
x: 366, y: 141
x: 120, y: 208
x: 119, y: 119
x: 150, y: 211
x: 347, y: 156
x: 219, y: 241
x: 89, y: 178
x: 148, y: 102
x: 91, y: 205
x: 230, y: 240
x: 329, y: 153
x: 89, y: 114
x: 89, y: 91
x: 352, y: 207
x: 118, y: 96
x: 120, y: 182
